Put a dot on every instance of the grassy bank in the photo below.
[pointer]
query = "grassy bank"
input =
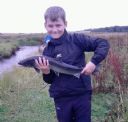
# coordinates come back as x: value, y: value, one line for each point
x: 7, y: 49
x: 9, y: 43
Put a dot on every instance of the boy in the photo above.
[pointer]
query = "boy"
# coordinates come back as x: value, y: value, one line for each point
x: 72, y: 96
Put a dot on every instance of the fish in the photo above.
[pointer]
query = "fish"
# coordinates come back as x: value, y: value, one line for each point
x: 58, y: 66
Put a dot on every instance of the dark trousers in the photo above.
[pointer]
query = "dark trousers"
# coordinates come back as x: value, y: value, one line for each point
x: 74, y: 109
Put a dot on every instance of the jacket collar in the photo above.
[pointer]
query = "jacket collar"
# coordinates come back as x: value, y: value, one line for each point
x: 59, y: 40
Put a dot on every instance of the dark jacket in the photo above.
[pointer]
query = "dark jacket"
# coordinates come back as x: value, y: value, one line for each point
x: 72, y: 47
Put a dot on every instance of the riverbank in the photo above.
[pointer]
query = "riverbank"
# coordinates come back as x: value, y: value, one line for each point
x: 7, y: 50
x: 22, y: 53
x: 10, y: 43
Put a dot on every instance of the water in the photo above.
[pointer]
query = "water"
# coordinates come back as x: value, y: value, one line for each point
x: 24, y: 52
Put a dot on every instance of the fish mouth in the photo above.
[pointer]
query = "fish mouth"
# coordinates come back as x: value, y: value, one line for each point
x: 20, y: 63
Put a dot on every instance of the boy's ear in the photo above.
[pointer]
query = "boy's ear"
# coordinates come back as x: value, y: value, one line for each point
x: 66, y: 23
x: 45, y: 24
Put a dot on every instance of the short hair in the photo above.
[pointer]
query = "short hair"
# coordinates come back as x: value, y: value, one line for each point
x: 55, y: 12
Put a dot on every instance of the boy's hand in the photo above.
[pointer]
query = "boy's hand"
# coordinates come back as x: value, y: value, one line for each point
x: 43, y: 65
x: 89, y: 68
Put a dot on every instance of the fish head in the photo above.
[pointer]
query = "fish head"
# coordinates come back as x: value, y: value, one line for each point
x: 27, y: 63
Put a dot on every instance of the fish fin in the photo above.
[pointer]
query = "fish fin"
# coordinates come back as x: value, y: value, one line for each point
x: 57, y: 73
x: 37, y: 70
x: 77, y: 75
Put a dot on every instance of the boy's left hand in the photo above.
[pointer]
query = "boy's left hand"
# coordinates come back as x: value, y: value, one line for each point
x: 89, y: 68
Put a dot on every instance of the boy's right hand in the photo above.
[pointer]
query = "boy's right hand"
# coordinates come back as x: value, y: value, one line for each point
x: 43, y: 65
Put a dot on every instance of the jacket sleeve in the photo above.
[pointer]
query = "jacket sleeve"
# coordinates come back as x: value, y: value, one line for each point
x: 99, y: 46
x: 49, y: 77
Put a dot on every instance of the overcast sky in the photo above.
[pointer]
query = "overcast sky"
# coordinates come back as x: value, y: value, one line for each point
x: 26, y: 16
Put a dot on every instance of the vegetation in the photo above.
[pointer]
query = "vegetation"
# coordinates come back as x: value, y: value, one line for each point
x: 9, y: 43
x: 7, y: 49
x: 110, y: 29
x: 113, y: 75
x: 24, y: 96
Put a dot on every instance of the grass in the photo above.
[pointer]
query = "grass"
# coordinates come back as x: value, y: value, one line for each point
x: 7, y: 48
x: 9, y: 43
x: 101, y: 106
x: 24, y: 98
x: 34, y: 106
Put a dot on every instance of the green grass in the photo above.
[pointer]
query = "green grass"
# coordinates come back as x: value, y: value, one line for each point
x: 101, y: 105
x: 11, y: 42
x: 7, y: 48
x: 24, y: 98
x: 34, y: 106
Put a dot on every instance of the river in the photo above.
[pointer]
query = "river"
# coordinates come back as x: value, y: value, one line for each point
x: 22, y: 53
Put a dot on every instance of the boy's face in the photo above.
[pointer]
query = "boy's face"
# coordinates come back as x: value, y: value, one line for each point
x: 55, y: 28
